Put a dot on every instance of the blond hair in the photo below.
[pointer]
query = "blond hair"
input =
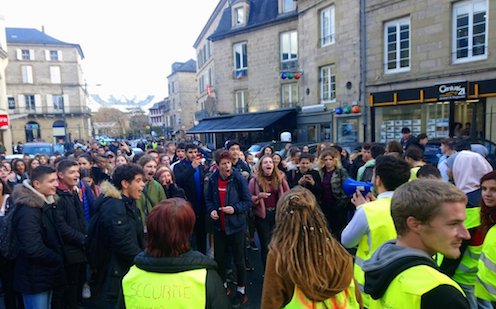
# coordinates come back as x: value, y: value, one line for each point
x: 334, y: 153
x: 268, y: 185
x: 304, y: 248
x: 422, y: 199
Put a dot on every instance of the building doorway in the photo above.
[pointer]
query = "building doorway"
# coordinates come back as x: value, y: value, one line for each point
x: 33, y: 131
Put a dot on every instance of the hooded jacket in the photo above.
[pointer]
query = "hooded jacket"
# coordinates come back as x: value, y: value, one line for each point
x: 40, y: 264
x: 121, y: 221
x: 390, y: 260
x: 215, y: 293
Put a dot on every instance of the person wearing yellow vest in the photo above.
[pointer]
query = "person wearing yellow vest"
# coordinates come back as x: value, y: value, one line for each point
x: 428, y: 216
x: 485, y: 284
x: 372, y: 224
x: 467, y: 170
x: 169, y: 274
x: 415, y: 157
x: 306, y: 267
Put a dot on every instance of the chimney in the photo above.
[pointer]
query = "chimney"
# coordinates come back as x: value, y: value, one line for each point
x: 43, y: 28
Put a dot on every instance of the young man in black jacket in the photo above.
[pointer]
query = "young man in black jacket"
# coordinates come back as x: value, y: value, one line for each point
x: 190, y: 175
x: 228, y: 201
x: 39, y: 267
x: 71, y: 224
x: 121, y: 229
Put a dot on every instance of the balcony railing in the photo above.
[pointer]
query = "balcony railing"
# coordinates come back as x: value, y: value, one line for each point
x: 51, y: 110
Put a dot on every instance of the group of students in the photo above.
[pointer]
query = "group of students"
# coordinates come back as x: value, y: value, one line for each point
x: 152, y: 214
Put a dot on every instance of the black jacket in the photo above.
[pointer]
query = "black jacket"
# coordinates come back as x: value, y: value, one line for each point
x: 237, y: 195
x: 40, y: 264
x: 215, y: 293
x: 293, y: 176
x: 173, y: 190
x: 122, y: 224
x: 185, y: 179
x: 71, y: 225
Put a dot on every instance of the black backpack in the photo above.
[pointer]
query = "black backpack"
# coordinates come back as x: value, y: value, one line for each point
x: 98, y: 243
x: 9, y: 244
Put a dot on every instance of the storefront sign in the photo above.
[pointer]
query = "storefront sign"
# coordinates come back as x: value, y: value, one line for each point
x: 4, y: 120
x: 454, y: 91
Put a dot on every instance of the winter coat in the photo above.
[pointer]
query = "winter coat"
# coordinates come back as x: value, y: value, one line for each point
x: 174, y: 190
x: 153, y: 193
x: 71, y: 224
x: 121, y: 221
x: 185, y: 178
x: 338, y: 177
x: 237, y: 195
x: 40, y: 264
x: 294, y: 176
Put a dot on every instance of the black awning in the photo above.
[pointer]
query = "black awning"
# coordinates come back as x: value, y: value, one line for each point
x: 250, y: 122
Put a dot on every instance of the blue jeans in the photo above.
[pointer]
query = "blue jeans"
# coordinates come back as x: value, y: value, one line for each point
x: 37, y: 301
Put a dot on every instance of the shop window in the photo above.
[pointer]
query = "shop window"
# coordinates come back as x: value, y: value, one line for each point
x: 348, y: 130
x: 397, y: 45
x: 325, y: 132
x: 432, y: 119
x: 469, y: 31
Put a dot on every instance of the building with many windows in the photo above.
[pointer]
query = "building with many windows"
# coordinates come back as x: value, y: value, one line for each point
x: 5, y: 133
x: 431, y: 66
x: 182, y: 97
x: 47, y: 98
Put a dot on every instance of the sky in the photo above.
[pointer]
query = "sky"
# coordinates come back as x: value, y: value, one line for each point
x: 129, y: 46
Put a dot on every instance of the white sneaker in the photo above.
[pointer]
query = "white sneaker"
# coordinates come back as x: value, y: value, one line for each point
x: 86, y: 291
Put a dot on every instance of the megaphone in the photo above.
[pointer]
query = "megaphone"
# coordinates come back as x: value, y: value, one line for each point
x: 350, y: 186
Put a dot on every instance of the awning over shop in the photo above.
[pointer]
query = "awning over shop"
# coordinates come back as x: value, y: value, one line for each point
x: 249, y: 122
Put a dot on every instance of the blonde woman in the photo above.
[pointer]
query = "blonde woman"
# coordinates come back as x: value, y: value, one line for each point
x: 266, y: 187
x: 334, y: 202
x: 306, y: 267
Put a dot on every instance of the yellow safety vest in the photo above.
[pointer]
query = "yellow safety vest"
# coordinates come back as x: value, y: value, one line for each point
x: 382, y: 229
x: 466, y: 272
x: 413, y: 173
x: 485, y: 284
x: 344, y: 300
x: 406, y: 289
x: 149, y: 290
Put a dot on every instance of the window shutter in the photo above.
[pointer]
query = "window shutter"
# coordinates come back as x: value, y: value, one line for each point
x: 19, y: 54
x: 59, y: 55
x: 38, y: 105
x: 21, y: 103
x: 49, y: 103
x: 31, y: 54
x: 66, y: 103
x: 47, y: 55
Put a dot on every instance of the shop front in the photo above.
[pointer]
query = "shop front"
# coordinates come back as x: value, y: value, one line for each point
x: 455, y: 109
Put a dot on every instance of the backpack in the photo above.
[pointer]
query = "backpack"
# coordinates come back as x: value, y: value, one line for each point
x: 98, y: 244
x: 9, y: 244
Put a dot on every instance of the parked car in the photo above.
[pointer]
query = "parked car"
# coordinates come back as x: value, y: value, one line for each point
x: 33, y: 149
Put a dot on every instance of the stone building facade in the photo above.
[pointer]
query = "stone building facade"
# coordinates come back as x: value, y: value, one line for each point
x: 5, y: 132
x: 47, y: 98
x: 431, y: 66
x: 182, y: 97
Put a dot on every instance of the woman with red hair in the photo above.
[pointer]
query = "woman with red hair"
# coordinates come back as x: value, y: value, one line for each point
x: 168, y: 274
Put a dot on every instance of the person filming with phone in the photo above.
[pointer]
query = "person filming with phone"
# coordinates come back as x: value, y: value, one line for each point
x: 305, y: 176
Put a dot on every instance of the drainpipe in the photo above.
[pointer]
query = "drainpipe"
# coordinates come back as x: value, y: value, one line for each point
x: 363, y: 67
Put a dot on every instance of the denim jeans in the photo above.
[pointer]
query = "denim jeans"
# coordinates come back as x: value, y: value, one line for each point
x: 38, y: 301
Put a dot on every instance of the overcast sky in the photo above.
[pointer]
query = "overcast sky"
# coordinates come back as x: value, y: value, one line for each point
x: 129, y: 46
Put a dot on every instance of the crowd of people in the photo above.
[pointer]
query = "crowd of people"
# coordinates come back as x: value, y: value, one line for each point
x: 103, y: 226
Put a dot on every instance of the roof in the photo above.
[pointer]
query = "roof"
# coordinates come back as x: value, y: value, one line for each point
x: 209, y: 22
x: 262, y: 13
x: 36, y: 37
x: 248, y: 122
x: 185, y: 67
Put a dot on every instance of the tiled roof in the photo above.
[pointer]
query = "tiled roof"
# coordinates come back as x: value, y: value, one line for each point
x: 35, y: 37
x: 261, y: 13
